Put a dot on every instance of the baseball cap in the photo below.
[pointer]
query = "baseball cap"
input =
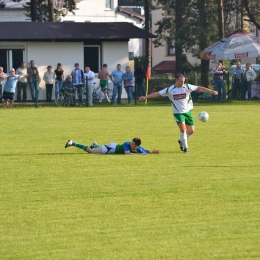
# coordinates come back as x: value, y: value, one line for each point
x: 76, y: 64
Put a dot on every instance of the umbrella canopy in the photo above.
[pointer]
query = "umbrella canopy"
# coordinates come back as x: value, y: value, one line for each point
x: 237, y: 45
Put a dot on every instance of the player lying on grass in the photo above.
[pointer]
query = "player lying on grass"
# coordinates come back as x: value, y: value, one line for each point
x: 114, y: 148
x: 180, y: 96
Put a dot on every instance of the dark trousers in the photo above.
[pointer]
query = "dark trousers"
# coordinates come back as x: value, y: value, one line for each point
x: 140, y: 89
x: 1, y: 93
x: 21, y: 86
x: 48, y: 92
x: 218, y: 86
x: 247, y: 88
x: 79, y: 93
x: 236, y: 89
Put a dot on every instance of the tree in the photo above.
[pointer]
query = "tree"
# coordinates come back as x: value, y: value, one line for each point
x: 172, y: 27
x: 253, y: 11
x: 44, y: 11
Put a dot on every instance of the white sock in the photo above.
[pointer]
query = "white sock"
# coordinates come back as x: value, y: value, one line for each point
x: 183, y: 138
x: 101, y: 96
x: 188, y: 136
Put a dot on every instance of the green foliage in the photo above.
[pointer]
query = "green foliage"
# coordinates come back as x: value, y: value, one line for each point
x: 139, y: 60
x: 42, y: 12
x: 253, y: 12
x: 59, y: 203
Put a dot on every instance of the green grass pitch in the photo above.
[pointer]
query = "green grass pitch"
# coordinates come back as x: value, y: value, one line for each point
x: 58, y: 203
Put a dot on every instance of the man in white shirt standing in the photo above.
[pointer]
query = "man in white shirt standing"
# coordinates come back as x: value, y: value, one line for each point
x: 22, y: 83
x: 179, y: 95
x: 89, y: 76
x: 250, y: 76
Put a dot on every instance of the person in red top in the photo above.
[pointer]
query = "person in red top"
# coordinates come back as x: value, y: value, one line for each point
x: 219, y: 74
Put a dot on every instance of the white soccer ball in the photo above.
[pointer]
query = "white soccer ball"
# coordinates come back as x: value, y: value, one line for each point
x: 203, y: 116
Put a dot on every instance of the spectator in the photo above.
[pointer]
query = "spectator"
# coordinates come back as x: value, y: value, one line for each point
x: 128, y: 78
x: 250, y: 76
x: 103, y: 75
x: 49, y: 80
x: 78, y: 81
x: 89, y: 76
x: 117, y: 88
x: 1, y: 82
x: 139, y: 75
x: 9, y: 88
x: 33, y: 78
x: 69, y: 89
x: 258, y: 76
x: 237, y: 81
x: 22, y: 83
x: 219, y: 73
x: 59, y: 73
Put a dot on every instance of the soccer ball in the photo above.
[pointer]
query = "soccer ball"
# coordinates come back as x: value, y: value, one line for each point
x: 203, y: 116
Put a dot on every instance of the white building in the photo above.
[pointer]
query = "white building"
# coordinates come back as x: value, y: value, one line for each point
x: 87, y: 11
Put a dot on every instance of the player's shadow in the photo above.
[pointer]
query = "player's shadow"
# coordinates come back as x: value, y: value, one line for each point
x: 39, y: 154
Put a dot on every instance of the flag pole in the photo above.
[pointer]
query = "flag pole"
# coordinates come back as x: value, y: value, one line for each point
x: 148, y: 76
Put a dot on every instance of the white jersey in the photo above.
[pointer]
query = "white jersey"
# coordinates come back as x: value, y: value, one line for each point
x: 180, y: 97
x: 90, y: 74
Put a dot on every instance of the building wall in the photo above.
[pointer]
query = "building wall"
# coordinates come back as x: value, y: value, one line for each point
x: 12, y: 15
x: 114, y: 53
x: 119, y: 56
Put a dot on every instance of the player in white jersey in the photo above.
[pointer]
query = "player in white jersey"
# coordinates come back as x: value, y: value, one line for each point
x: 180, y: 96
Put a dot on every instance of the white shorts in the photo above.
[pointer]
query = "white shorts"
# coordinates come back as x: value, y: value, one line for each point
x: 109, y: 148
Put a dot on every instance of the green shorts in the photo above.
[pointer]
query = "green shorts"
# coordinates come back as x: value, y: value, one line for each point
x: 103, y: 84
x: 187, y: 118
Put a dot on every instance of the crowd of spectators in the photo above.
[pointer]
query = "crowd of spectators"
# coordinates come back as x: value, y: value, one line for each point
x: 73, y: 84
x: 242, y: 80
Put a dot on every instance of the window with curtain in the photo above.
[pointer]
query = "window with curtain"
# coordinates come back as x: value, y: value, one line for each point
x: 170, y: 48
x: 109, y: 4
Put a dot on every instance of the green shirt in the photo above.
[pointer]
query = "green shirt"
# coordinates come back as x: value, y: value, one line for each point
x: 120, y: 149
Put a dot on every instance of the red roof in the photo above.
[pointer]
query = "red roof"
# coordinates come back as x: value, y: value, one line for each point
x: 168, y: 67
x: 239, y: 31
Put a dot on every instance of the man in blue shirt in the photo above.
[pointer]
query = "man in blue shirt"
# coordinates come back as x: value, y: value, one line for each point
x: 126, y: 148
x: 78, y: 80
x: 117, y: 89
x: 9, y: 88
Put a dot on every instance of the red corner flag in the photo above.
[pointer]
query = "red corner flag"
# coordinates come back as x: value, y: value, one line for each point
x: 148, y: 74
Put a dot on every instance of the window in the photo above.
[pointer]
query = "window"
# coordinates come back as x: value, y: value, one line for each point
x: 170, y: 48
x: 3, y: 59
x: 92, y: 57
x: 11, y: 58
x: 130, y: 55
x: 109, y: 4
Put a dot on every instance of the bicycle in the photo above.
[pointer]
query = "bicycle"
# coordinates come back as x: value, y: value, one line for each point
x: 97, y: 92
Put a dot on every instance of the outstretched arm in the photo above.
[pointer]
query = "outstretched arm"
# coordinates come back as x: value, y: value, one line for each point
x: 203, y: 89
x: 152, y: 95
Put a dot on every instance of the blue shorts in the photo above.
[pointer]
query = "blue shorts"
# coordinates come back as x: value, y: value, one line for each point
x: 8, y: 95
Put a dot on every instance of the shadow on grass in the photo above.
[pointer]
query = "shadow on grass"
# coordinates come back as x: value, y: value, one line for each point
x: 39, y: 154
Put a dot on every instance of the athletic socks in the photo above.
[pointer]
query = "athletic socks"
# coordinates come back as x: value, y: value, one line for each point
x: 183, y: 138
x: 80, y: 146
